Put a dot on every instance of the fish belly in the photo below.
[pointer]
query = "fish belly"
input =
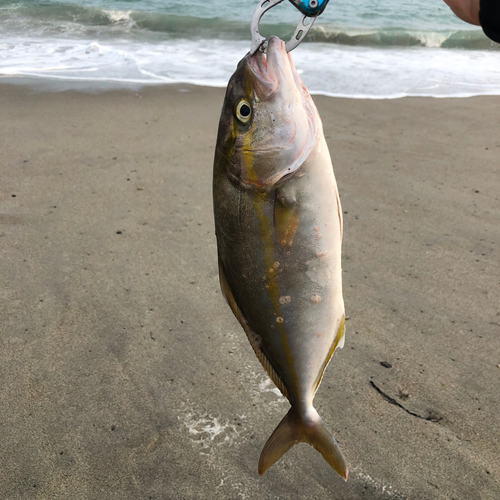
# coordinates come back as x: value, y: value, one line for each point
x: 279, y: 251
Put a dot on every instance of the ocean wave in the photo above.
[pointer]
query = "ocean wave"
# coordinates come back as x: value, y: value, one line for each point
x: 87, y: 21
x: 120, y: 17
x: 460, y: 39
x: 326, y: 69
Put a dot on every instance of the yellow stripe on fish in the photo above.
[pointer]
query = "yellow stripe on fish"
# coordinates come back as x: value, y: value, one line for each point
x: 266, y: 227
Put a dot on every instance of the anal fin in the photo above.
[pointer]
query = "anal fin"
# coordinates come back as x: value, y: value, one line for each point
x: 337, y: 342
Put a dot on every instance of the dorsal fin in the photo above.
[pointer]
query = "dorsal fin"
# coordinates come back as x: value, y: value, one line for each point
x: 253, y: 338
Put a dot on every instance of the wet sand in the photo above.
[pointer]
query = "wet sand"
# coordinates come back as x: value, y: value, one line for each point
x: 123, y: 374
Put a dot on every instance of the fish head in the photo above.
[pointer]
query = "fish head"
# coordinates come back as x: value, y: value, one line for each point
x: 269, y: 123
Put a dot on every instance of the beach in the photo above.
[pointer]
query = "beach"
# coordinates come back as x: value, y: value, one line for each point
x: 124, y: 375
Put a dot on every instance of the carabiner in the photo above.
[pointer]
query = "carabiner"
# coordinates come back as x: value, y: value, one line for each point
x: 310, y: 10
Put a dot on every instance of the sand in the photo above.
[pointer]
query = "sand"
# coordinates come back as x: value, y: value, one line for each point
x: 123, y: 374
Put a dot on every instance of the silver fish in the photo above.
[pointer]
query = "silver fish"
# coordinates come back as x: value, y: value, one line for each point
x: 278, y: 223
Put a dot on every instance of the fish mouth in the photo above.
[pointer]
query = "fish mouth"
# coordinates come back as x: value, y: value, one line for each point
x: 273, y: 71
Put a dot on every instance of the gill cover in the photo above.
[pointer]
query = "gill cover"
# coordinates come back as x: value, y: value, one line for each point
x: 276, y: 134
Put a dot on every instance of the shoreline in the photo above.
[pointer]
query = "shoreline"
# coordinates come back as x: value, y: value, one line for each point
x: 52, y: 85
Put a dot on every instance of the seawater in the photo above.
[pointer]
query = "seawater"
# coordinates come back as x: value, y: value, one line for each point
x: 360, y: 48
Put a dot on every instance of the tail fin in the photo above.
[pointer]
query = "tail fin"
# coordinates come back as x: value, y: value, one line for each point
x: 292, y: 430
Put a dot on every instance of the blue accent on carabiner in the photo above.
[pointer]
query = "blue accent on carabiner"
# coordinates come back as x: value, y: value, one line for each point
x: 310, y: 8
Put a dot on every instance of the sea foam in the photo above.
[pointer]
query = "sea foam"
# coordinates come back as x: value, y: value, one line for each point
x: 357, y: 72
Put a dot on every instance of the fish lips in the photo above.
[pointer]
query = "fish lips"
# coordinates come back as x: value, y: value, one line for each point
x: 273, y: 72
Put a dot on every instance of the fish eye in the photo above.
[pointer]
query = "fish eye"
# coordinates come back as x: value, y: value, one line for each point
x: 243, y: 111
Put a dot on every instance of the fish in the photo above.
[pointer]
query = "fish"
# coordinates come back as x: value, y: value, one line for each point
x: 278, y: 225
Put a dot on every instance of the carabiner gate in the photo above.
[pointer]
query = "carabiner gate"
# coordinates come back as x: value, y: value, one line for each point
x: 310, y: 10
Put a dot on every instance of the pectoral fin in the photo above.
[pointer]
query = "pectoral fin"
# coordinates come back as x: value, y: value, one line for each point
x: 286, y: 216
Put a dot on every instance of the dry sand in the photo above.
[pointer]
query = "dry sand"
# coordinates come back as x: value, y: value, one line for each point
x: 123, y: 374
